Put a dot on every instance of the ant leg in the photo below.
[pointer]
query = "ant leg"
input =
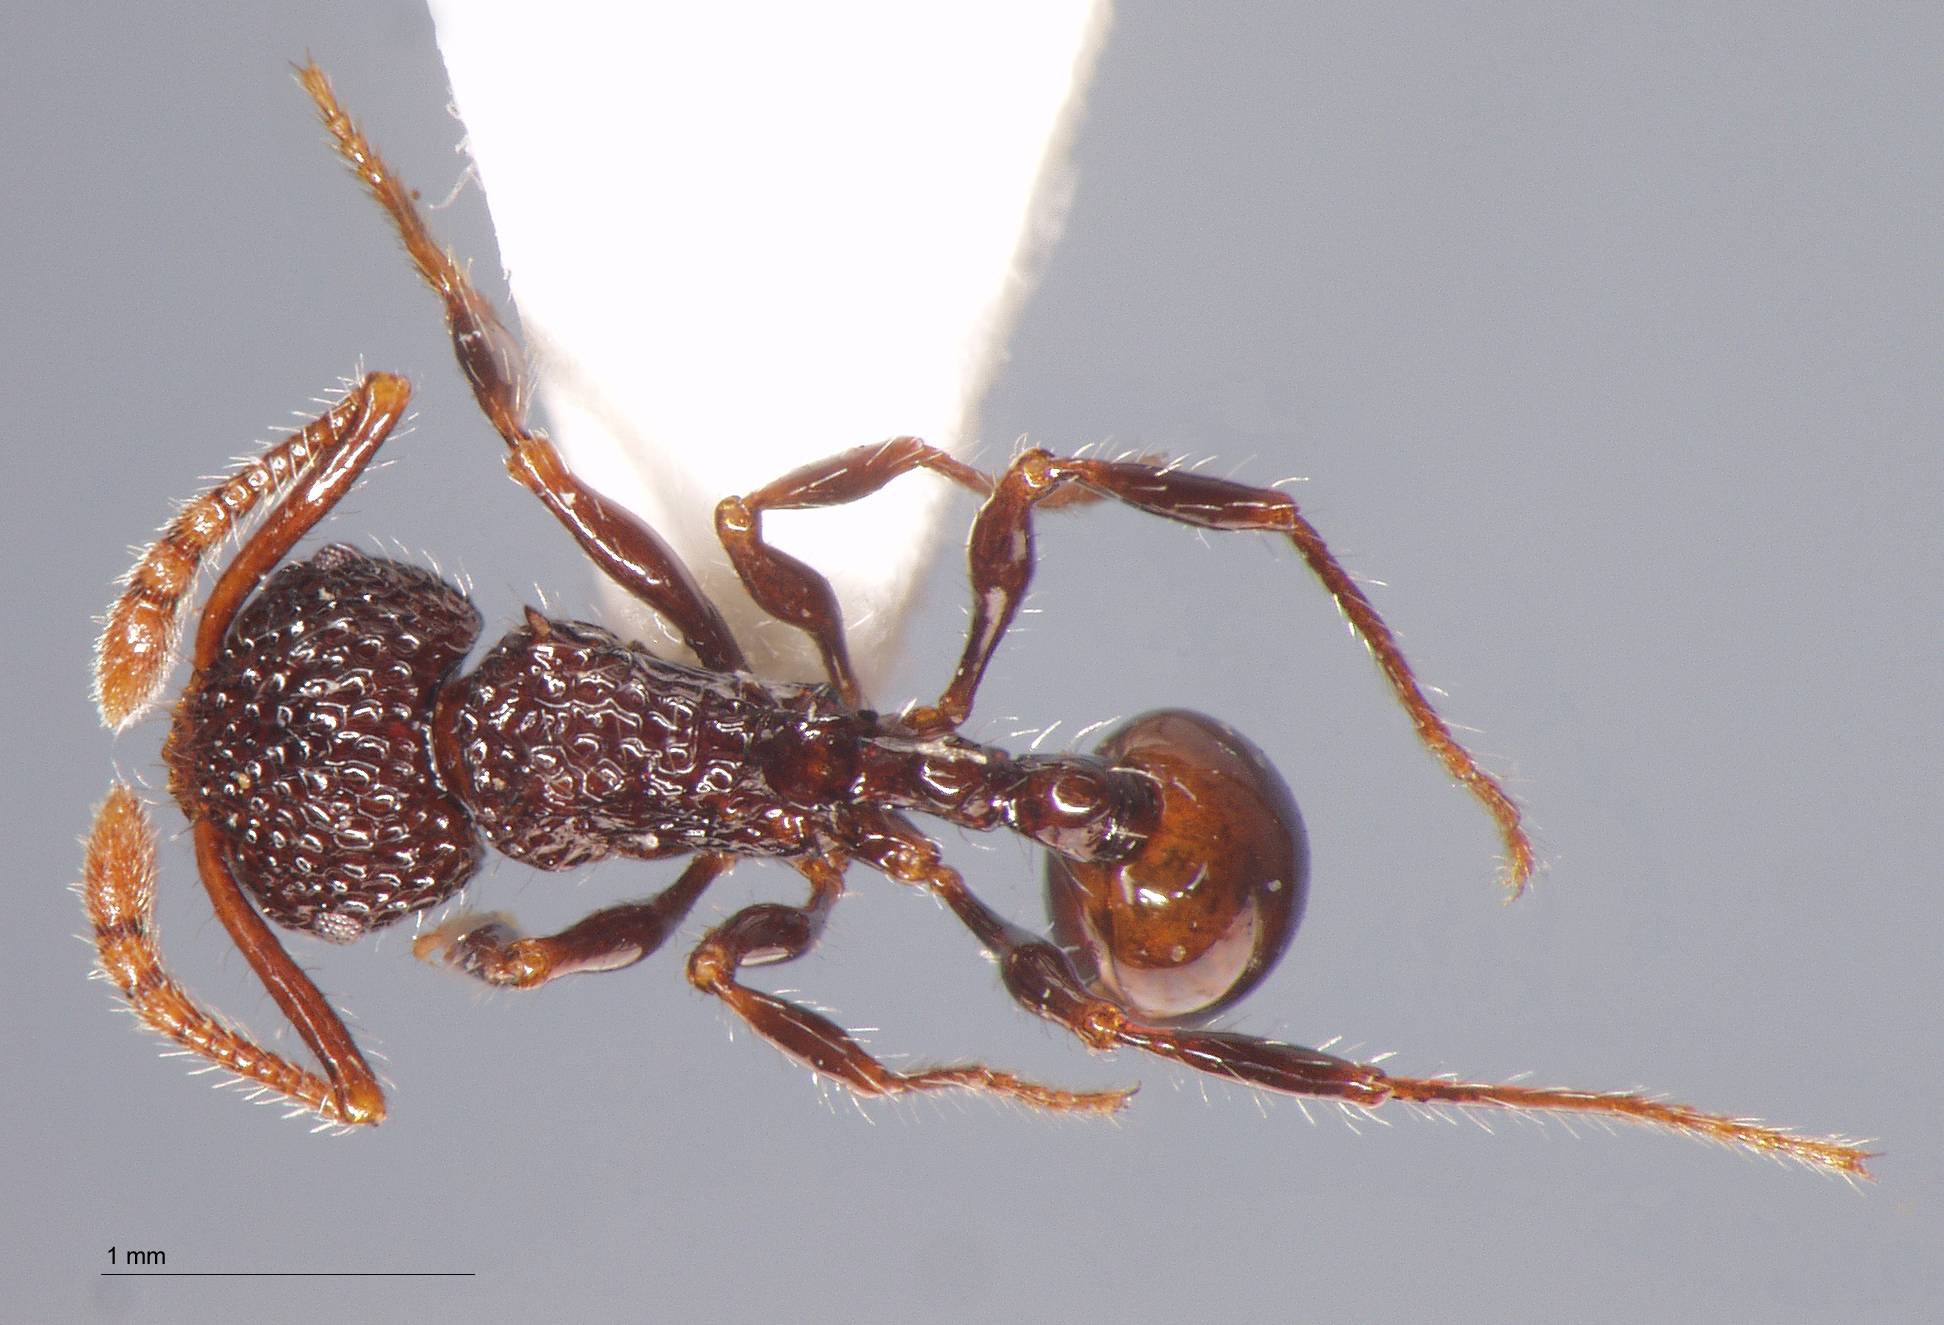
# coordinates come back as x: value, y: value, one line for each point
x: 628, y: 551
x: 118, y: 887
x: 605, y: 941
x: 144, y: 626
x: 795, y: 593
x: 1041, y: 978
x: 633, y: 555
x: 1001, y: 554
x: 800, y: 595
x: 769, y: 932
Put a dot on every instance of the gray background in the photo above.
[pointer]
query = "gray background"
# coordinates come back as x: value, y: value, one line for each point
x: 1610, y: 343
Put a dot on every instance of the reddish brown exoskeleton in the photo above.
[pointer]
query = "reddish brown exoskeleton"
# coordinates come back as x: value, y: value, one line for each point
x: 340, y: 771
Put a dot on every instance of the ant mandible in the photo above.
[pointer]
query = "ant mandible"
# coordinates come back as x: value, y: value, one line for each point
x: 335, y: 765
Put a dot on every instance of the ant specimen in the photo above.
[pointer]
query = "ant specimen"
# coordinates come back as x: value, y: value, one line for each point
x: 336, y: 765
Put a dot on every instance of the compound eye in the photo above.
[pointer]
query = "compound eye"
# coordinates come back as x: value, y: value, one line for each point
x: 1207, y: 904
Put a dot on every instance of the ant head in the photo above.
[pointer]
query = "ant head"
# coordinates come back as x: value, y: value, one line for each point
x: 1206, y: 905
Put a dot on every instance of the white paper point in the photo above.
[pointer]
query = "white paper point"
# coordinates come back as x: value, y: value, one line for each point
x: 745, y: 236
